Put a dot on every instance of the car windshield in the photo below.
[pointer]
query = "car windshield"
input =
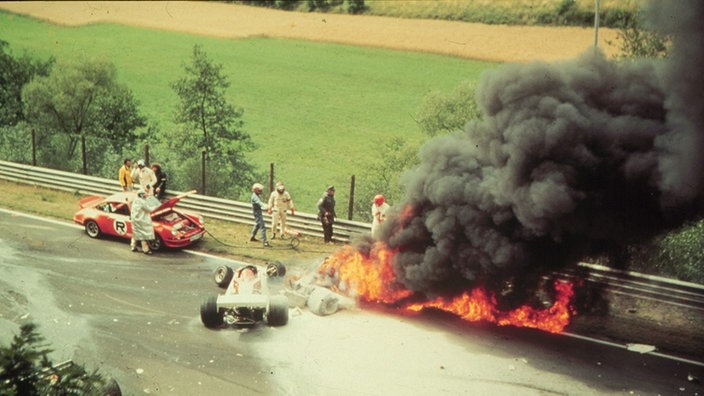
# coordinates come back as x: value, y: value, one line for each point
x: 115, y: 207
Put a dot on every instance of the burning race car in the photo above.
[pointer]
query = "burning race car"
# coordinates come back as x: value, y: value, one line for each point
x: 173, y: 227
x: 246, y: 300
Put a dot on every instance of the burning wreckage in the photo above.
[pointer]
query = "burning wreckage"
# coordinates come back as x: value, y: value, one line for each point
x: 575, y: 159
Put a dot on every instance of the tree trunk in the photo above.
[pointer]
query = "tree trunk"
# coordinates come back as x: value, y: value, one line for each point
x: 83, y: 154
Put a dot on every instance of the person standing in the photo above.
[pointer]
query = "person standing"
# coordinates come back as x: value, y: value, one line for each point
x: 280, y: 201
x: 142, y: 226
x: 125, y: 175
x: 326, y: 213
x: 145, y: 175
x: 257, y: 206
x: 160, y: 185
x: 379, y: 209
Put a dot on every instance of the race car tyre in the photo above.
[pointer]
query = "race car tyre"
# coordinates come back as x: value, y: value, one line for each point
x: 295, y: 243
x: 275, y: 268
x: 209, y: 313
x: 323, y: 302
x: 92, y: 229
x: 156, y: 244
x: 223, y: 275
x: 112, y: 388
x: 277, y: 313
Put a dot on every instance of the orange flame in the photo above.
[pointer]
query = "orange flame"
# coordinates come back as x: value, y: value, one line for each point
x: 478, y: 305
x: 372, y: 278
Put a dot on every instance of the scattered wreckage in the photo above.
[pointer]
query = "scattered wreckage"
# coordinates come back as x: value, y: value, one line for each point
x: 247, y: 301
x: 321, y: 291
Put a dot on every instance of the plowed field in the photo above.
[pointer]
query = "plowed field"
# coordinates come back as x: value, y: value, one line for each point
x: 469, y: 40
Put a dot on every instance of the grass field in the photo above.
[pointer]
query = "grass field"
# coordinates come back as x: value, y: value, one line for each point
x: 316, y: 110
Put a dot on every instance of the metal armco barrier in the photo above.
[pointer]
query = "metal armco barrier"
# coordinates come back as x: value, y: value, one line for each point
x: 210, y: 207
x: 673, y: 292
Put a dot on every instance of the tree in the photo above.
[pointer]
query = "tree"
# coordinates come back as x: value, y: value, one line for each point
x: 383, y: 174
x: 441, y: 113
x: 25, y: 369
x: 15, y: 73
x: 218, y: 126
x: 638, y: 42
x: 79, y: 100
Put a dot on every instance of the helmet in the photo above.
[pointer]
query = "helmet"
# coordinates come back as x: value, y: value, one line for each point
x: 330, y: 188
x: 280, y: 187
x: 257, y: 187
x: 141, y: 193
x: 378, y: 199
x: 140, y: 163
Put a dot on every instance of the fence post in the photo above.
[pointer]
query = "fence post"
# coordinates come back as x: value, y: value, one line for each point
x: 34, y: 148
x: 351, y: 208
x: 271, y: 177
x: 202, y: 173
x: 83, y: 154
x: 146, y: 154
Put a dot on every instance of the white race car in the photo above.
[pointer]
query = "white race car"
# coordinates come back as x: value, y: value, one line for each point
x: 246, y: 300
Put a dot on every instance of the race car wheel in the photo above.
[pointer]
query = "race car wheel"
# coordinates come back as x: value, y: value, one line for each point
x: 112, y: 388
x: 277, y: 313
x: 209, y: 313
x: 92, y: 229
x: 322, y: 302
x: 223, y: 275
x: 275, y: 268
x: 156, y: 244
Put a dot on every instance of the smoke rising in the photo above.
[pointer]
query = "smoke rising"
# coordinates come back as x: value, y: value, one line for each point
x: 570, y: 159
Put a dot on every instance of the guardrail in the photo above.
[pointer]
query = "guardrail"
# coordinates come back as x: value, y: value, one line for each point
x: 651, y: 287
x: 645, y: 286
x: 210, y: 207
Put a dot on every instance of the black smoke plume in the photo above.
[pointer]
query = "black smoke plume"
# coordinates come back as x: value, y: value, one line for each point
x: 570, y: 159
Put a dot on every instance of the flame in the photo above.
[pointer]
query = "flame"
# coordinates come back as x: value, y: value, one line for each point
x: 479, y: 305
x: 372, y: 278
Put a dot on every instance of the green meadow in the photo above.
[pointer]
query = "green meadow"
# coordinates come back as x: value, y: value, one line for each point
x: 318, y: 111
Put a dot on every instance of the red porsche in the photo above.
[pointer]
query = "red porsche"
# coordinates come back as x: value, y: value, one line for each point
x: 173, y: 228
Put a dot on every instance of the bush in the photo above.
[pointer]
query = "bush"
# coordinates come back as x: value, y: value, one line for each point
x: 677, y: 254
x: 25, y: 369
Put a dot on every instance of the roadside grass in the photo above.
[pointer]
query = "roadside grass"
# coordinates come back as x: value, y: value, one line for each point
x: 224, y: 239
x: 315, y: 110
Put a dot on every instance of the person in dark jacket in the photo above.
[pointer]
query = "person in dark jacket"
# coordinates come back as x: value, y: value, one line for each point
x: 326, y: 213
x: 160, y: 185
x: 257, y: 207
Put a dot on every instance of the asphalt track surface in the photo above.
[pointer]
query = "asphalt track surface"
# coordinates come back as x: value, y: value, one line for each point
x: 135, y: 317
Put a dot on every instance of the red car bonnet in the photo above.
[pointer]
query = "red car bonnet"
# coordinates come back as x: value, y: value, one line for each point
x: 169, y: 204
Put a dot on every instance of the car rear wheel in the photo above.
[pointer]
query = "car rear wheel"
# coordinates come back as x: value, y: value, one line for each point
x: 209, y: 313
x: 223, y: 275
x: 277, y: 314
x: 112, y: 388
x: 275, y: 268
x: 92, y: 229
x: 156, y: 244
